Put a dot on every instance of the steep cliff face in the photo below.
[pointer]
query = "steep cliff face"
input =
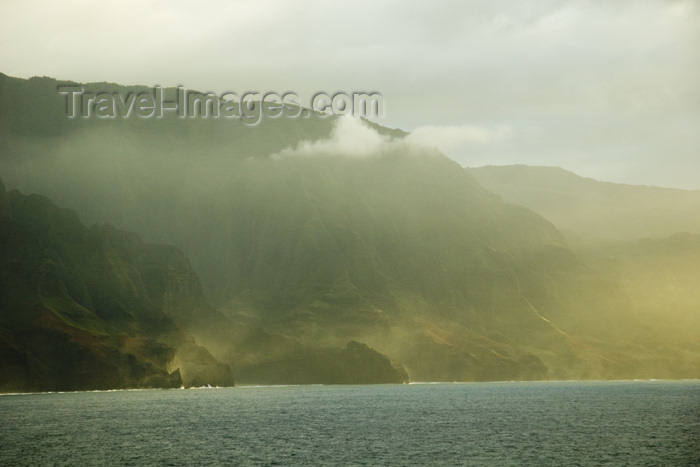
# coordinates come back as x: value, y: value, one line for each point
x: 302, y: 251
x: 356, y: 363
x: 98, y: 308
x: 85, y: 308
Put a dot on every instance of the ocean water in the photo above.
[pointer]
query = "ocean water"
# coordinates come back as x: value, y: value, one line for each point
x: 646, y: 423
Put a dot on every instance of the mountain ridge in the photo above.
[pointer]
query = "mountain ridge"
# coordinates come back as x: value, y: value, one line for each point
x: 63, y: 328
x: 103, y: 310
x: 588, y: 210
x: 399, y: 249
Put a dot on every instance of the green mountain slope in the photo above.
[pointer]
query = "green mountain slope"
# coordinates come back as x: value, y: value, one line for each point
x: 98, y: 309
x: 589, y: 211
x: 399, y: 249
x: 662, y: 278
x: 77, y: 306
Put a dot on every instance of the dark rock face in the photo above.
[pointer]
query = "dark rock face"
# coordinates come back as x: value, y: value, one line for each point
x: 366, y: 365
x: 355, y: 364
x: 79, y: 308
x: 402, y: 250
x: 99, y: 309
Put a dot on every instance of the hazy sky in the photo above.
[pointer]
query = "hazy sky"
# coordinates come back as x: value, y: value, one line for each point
x: 608, y: 89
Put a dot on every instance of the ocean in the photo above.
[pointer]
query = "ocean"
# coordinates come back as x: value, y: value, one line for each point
x: 635, y: 423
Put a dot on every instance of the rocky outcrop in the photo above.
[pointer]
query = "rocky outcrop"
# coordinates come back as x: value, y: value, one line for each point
x: 78, y: 309
x: 357, y: 363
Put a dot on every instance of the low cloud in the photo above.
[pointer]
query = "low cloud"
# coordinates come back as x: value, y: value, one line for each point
x: 609, y: 85
x: 350, y: 137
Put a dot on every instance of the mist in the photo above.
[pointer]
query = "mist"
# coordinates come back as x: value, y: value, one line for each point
x: 608, y: 91
x: 290, y: 211
x: 314, y: 235
x: 349, y: 138
x: 307, y: 234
